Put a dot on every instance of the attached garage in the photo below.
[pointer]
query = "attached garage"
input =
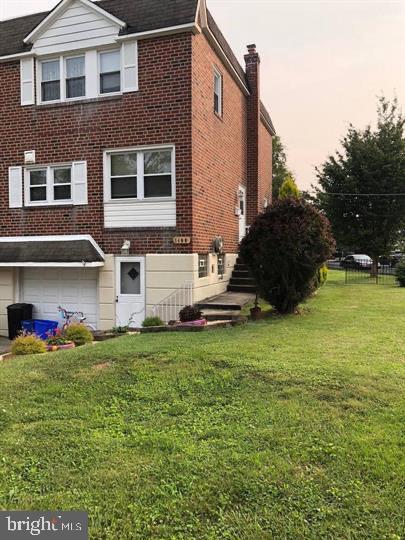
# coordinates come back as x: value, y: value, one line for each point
x: 49, y: 272
x: 75, y: 289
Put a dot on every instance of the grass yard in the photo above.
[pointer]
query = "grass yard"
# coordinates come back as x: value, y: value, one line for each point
x: 290, y: 428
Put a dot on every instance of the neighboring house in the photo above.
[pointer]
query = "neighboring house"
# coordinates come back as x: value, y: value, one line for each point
x: 131, y: 138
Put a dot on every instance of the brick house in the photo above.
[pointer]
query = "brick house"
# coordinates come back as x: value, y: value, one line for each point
x: 135, y: 150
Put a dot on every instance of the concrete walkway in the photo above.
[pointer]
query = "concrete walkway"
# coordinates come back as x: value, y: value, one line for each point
x: 5, y: 345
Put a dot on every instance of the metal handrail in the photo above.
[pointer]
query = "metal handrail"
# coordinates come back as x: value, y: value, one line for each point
x: 168, y: 308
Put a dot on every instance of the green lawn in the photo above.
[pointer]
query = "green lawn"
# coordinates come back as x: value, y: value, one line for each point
x: 287, y: 428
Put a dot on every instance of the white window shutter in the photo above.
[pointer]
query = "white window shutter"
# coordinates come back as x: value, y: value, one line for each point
x: 130, y: 66
x: 79, y: 180
x: 27, y: 81
x: 15, y: 187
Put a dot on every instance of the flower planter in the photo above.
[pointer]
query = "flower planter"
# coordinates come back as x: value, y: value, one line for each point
x: 65, y: 346
x: 199, y: 322
x: 256, y: 314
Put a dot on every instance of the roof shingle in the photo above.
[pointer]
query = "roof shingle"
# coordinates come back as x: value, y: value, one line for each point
x: 140, y: 16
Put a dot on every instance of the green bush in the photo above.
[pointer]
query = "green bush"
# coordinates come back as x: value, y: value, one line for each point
x: 189, y: 314
x: 284, y: 248
x: 79, y: 334
x: 400, y: 272
x: 152, y: 321
x: 322, y: 276
x: 28, y: 344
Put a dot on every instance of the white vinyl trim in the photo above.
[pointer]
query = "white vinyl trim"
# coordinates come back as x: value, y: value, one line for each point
x: 53, y: 15
x: 55, y: 238
x: 52, y: 265
x: 162, y: 32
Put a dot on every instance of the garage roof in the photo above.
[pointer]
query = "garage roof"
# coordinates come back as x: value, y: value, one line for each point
x: 50, y: 252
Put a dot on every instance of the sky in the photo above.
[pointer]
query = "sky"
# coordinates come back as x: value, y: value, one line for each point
x: 323, y: 64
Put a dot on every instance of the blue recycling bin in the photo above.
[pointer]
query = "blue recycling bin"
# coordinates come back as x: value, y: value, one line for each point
x: 41, y: 328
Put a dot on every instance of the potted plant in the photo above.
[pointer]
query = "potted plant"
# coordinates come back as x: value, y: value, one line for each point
x: 58, y: 340
x: 191, y: 316
x: 256, y: 311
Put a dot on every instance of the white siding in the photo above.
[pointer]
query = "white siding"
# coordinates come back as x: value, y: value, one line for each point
x: 140, y: 214
x: 76, y: 28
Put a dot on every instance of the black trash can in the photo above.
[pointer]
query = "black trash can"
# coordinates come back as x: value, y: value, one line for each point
x: 16, y: 313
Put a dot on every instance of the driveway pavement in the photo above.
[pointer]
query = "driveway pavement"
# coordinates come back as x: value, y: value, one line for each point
x: 4, y: 345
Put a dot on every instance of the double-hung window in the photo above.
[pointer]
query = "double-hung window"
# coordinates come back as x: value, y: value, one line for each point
x: 50, y: 82
x: 63, y: 78
x: 49, y: 185
x: 217, y: 92
x: 110, y: 72
x: 141, y: 174
x: 37, y: 185
x: 75, y: 77
x: 124, y: 175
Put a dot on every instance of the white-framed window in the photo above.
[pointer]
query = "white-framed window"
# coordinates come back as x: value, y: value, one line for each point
x: 217, y: 92
x: 202, y: 265
x: 48, y: 185
x: 50, y: 80
x: 140, y: 174
x: 110, y: 72
x: 221, y: 264
x: 62, y: 78
x: 75, y: 77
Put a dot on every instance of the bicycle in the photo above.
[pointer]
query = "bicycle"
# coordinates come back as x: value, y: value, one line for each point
x: 74, y: 317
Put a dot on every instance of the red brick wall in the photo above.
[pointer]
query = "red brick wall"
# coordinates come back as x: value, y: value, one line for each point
x: 160, y: 113
x: 219, y: 152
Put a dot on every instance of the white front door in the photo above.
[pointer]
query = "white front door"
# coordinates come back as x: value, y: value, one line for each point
x: 130, y: 272
x: 242, y: 213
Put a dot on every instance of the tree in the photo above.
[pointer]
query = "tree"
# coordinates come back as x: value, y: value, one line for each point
x: 362, y: 188
x: 284, y: 249
x: 280, y: 169
x: 289, y: 188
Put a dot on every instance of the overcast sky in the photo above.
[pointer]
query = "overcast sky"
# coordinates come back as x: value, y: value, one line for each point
x: 323, y: 63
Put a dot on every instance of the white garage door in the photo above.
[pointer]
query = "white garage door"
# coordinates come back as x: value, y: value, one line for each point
x: 75, y: 289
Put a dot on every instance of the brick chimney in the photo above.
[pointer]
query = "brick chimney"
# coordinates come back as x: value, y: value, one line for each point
x: 252, y: 60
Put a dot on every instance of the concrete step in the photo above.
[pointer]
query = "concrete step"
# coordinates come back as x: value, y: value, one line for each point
x: 221, y: 315
x: 242, y: 288
x: 218, y: 306
x: 240, y: 268
x: 240, y: 273
x: 241, y: 281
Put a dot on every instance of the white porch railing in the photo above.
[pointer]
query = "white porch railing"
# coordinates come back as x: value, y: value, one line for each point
x: 168, y: 309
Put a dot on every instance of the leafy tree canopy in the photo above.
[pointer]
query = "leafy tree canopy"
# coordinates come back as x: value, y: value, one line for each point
x: 362, y: 188
x: 280, y: 169
x: 289, y: 188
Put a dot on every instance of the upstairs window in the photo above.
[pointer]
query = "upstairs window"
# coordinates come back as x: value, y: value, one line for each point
x: 217, y: 93
x: 140, y: 174
x: 158, y: 174
x: 37, y: 185
x: 49, y: 185
x: 62, y: 183
x: 110, y: 72
x: 50, y: 85
x: 124, y: 176
x: 75, y: 77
